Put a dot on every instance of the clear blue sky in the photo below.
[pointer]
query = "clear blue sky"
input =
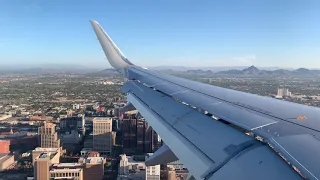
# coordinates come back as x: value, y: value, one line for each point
x: 283, y: 33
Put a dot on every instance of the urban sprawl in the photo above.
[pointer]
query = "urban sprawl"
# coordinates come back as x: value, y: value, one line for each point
x: 63, y: 125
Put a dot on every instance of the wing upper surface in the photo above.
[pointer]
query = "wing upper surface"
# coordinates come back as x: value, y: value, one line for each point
x: 269, y: 118
x: 204, y: 145
x: 179, y: 110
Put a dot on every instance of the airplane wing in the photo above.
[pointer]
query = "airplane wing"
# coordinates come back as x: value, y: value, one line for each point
x: 219, y: 133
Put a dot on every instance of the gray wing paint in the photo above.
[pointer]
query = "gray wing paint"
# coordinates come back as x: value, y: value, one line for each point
x: 181, y: 112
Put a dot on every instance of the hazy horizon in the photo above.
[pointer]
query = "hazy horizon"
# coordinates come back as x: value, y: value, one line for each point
x: 55, y: 66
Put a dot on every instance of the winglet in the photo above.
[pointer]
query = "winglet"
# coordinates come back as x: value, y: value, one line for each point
x: 113, y: 53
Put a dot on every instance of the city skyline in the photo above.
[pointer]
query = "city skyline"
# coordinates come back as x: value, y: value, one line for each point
x: 201, y: 89
x: 166, y: 33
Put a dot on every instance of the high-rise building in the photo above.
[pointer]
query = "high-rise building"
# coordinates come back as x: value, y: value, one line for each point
x: 114, y: 136
x: 138, y: 137
x: 102, y: 135
x: 70, y: 123
x: 152, y: 172
x: 283, y: 92
x: 124, y: 165
x: 70, y: 141
x: 48, y: 136
x: 116, y: 112
x: 142, y: 126
x: 115, y: 124
x: 129, y: 132
x: 155, y: 140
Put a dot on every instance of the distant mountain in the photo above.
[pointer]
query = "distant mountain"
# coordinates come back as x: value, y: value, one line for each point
x: 199, y: 71
x: 213, y: 69
x: 304, y: 71
x: 280, y: 72
x: 254, y: 71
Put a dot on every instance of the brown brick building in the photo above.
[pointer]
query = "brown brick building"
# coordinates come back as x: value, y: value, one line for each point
x: 4, y: 146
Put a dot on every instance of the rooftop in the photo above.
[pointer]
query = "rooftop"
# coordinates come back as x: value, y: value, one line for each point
x: 94, y: 160
x: 93, y: 153
x: 65, y: 170
x: 131, y: 160
x: 47, y: 155
x: 39, y: 149
x: 49, y: 125
x: 4, y: 157
x: 101, y: 119
x: 4, y: 140
x: 60, y: 165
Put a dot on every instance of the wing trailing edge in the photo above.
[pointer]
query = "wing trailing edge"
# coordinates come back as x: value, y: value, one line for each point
x: 163, y: 155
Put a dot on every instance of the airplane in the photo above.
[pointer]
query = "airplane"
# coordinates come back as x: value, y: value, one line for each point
x: 219, y: 133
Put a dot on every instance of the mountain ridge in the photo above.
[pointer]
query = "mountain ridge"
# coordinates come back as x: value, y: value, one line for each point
x: 248, y: 71
x: 252, y: 70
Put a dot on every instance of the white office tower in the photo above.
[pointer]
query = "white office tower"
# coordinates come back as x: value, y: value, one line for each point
x: 152, y: 172
x: 102, y: 135
x: 284, y: 92
x: 124, y: 165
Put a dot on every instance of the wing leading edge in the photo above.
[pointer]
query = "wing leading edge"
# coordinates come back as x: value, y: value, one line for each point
x: 181, y: 112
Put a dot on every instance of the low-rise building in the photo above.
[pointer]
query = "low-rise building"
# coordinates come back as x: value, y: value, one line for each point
x: 175, y: 165
x: 133, y: 176
x: 85, y: 151
x: 47, y: 166
x: 72, y: 171
x: 171, y: 174
x: 6, y: 160
x: 93, y: 168
x: 152, y: 172
x: 128, y: 163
